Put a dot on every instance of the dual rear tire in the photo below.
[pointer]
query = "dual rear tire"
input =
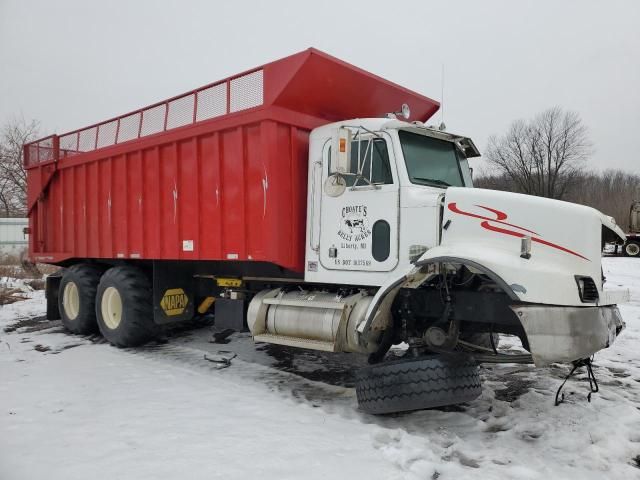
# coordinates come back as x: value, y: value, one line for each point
x: 117, y: 303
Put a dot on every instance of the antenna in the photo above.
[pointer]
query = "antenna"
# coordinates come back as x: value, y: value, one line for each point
x: 442, y: 125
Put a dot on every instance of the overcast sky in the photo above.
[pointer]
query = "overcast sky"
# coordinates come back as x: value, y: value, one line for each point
x: 70, y: 63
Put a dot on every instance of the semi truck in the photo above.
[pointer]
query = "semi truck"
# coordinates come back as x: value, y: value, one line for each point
x: 308, y: 201
x: 631, y: 247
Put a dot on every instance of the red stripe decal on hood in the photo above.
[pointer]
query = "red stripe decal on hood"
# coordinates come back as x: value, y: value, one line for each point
x: 500, y: 216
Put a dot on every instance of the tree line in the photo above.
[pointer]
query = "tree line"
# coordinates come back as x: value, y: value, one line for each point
x: 610, y: 191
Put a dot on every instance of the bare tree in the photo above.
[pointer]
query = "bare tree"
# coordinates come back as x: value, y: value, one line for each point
x: 542, y: 156
x: 13, y: 178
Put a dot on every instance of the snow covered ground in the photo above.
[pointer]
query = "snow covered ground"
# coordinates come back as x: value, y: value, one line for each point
x: 76, y: 408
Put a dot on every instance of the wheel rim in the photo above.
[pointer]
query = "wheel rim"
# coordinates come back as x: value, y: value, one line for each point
x: 71, y: 300
x: 632, y: 249
x: 111, y: 308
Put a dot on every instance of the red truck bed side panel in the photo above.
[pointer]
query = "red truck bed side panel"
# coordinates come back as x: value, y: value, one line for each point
x: 233, y: 194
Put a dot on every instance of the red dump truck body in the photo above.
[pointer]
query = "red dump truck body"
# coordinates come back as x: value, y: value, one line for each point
x: 218, y: 173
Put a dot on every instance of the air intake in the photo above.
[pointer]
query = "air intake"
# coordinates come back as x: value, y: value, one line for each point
x: 587, y: 289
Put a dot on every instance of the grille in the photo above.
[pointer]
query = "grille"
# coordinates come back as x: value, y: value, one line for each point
x: 588, y: 289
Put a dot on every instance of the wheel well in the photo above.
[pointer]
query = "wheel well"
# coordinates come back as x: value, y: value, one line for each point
x: 465, y: 292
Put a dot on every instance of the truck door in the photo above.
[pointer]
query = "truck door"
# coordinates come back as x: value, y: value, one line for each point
x: 359, y: 228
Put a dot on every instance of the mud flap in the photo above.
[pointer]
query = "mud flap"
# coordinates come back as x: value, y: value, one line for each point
x: 173, y: 292
x: 51, y: 290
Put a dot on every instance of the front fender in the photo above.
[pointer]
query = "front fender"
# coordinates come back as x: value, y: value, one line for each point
x: 534, y: 280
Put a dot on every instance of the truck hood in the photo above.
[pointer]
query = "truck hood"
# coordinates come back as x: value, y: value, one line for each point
x: 487, y: 227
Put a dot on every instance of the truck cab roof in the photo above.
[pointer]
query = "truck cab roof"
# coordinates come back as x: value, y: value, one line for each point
x: 465, y: 144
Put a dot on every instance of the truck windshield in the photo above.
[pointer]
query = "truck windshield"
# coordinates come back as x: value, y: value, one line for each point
x: 430, y: 161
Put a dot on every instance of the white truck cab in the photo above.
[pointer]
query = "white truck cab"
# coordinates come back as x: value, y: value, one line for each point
x: 387, y: 214
x: 398, y: 241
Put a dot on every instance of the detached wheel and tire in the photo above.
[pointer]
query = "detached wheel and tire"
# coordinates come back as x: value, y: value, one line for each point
x: 632, y: 248
x: 416, y: 384
x: 77, y: 298
x: 123, y: 307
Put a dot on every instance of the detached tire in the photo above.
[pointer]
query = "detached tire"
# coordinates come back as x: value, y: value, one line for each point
x: 77, y: 298
x: 632, y: 248
x: 419, y: 383
x: 123, y: 307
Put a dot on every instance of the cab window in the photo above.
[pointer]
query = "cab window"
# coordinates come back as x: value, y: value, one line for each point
x: 431, y: 161
x: 373, y: 162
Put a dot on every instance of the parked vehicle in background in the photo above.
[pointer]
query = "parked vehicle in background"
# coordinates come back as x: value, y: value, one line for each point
x: 306, y: 200
x: 631, y: 246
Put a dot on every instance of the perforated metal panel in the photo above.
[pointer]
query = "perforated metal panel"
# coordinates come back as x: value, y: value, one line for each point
x: 107, y: 134
x: 247, y: 91
x: 69, y: 143
x: 153, y: 120
x: 129, y: 127
x: 180, y: 112
x: 40, y: 151
x: 212, y: 102
x: 87, y: 140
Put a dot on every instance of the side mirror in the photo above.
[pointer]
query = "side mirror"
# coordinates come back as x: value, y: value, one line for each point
x: 471, y: 172
x: 341, y: 151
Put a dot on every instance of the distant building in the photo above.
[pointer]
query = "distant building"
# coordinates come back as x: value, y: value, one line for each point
x: 13, y: 240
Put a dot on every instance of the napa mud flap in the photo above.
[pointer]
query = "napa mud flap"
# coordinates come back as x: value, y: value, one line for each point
x: 173, y: 292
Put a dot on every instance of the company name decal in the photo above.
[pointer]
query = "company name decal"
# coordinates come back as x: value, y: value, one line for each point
x: 354, y: 224
x: 489, y: 223
x: 354, y: 234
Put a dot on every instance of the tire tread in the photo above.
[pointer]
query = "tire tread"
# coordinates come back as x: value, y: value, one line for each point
x: 415, y: 384
x: 86, y: 277
x: 137, y: 325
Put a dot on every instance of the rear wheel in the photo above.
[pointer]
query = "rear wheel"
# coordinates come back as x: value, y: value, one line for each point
x: 77, y: 298
x: 632, y: 248
x: 123, y: 307
x: 419, y: 383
